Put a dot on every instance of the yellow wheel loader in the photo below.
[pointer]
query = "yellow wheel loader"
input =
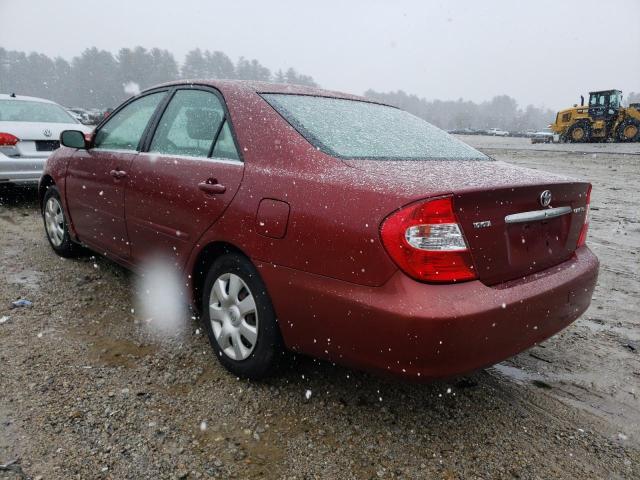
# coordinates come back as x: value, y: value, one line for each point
x: 602, y: 119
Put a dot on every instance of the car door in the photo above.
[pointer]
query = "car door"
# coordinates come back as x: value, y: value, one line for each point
x: 97, y: 177
x: 185, y: 179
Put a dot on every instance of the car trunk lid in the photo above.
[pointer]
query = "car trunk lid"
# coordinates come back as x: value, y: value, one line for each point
x: 36, y: 139
x: 512, y: 232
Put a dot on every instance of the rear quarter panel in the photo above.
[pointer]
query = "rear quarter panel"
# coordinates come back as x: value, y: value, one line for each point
x: 334, y: 216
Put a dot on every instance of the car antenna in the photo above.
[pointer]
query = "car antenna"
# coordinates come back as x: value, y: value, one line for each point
x: 12, y: 95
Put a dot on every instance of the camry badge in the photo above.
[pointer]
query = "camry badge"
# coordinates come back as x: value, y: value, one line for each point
x: 545, y: 198
x: 483, y: 224
x: 46, y: 132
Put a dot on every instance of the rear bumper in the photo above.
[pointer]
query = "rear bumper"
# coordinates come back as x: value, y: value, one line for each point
x: 425, y: 331
x: 21, y: 169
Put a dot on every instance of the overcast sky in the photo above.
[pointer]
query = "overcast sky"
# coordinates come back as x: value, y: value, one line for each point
x: 544, y: 52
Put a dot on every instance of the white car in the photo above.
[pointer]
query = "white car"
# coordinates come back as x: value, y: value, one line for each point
x: 29, y: 131
x: 496, y: 132
x: 544, y: 136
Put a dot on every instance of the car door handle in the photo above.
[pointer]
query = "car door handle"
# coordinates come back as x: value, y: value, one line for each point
x: 118, y: 174
x: 212, y: 187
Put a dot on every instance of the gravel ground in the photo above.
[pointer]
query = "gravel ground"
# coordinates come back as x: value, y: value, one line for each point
x: 88, y: 393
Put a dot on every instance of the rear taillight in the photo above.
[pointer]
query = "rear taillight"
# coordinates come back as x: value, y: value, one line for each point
x: 8, y: 140
x: 426, y: 242
x: 582, y: 239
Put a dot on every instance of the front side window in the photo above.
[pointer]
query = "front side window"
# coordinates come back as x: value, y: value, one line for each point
x: 353, y: 129
x: 30, y: 111
x: 124, y: 129
x: 189, y: 124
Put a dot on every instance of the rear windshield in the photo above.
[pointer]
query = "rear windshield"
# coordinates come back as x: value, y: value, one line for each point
x: 27, y: 111
x: 353, y: 129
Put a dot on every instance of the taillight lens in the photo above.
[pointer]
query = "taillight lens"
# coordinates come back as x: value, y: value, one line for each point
x: 426, y: 242
x: 8, y: 140
x: 582, y: 239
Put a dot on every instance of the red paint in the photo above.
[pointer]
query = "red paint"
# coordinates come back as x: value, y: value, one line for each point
x: 337, y: 292
x: 272, y: 218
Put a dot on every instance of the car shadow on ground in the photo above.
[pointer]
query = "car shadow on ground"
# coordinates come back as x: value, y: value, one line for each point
x: 350, y: 386
x: 19, y: 196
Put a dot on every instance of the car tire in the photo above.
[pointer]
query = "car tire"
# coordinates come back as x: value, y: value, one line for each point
x: 56, y: 224
x: 629, y: 131
x: 574, y: 131
x: 244, y: 334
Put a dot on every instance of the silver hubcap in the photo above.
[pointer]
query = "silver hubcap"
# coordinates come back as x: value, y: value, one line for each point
x: 233, y: 315
x: 54, y: 221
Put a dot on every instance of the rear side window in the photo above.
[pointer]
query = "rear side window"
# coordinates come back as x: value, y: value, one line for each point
x: 354, y: 129
x: 125, y: 128
x: 225, y: 147
x: 189, y: 124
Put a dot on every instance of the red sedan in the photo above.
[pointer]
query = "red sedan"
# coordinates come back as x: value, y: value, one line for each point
x: 326, y: 224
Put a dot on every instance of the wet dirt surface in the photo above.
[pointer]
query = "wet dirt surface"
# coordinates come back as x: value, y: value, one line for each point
x: 87, y: 392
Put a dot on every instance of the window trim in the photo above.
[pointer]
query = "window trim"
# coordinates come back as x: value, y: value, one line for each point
x: 215, y: 137
x: 155, y: 121
x: 105, y: 121
x: 230, y: 161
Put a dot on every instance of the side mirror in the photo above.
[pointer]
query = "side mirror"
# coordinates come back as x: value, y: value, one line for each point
x: 73, y: 139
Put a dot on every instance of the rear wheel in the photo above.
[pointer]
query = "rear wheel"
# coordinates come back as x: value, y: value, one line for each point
x: 629, y: 131
x: 239, y: 318
x: 579, y: 133
x: 56, y: 224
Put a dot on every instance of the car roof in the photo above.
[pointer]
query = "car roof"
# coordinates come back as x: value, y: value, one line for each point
x: 252, y: 86
x: 6, y: 96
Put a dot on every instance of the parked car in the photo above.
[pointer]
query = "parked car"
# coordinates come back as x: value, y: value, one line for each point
x: 80, y: 114
x: 29, y: 131
x: 466, y: 131
x: 544, y: 136
x: 96, y: 115
x: 496, y: 132
x: 326, y: 224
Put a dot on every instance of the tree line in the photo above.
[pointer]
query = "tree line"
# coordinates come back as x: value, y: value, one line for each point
x: 501, y: 111
x: 99, y: 79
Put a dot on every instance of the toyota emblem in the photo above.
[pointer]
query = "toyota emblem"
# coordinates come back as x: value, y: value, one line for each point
x: 545, y: 198
x: 46, y: 132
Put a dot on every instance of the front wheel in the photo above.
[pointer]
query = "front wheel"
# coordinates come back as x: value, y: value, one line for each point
x: 239, y: 318
x: 579, y: 133
x: 56, y: 225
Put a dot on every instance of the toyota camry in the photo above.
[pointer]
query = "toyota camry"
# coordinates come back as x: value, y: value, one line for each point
x: 326, y: 224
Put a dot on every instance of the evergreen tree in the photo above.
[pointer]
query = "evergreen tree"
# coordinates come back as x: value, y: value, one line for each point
x: 194, y: 65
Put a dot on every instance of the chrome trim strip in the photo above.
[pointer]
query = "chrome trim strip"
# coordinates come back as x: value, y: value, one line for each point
x: 112, y: 150
x: 537, y: 215
x: 191, y: 157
